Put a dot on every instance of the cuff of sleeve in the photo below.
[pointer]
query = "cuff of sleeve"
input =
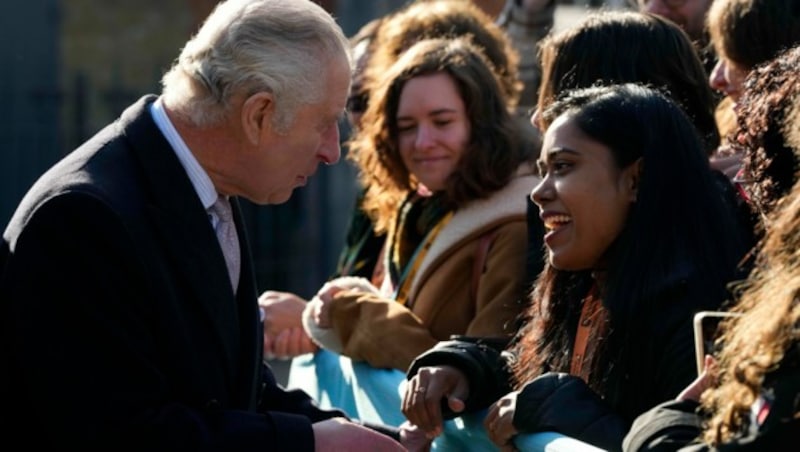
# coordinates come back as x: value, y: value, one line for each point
x: 461, y: 360
x: 324, y: 337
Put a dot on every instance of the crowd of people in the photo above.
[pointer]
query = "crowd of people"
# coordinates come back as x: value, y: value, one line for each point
x: 540, y: 215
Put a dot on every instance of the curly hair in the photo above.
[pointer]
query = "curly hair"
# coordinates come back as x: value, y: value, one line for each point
x: 756, y: 343
x: 770, y: 163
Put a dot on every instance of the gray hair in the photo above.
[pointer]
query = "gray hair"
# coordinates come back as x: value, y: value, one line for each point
x: 250, y: 46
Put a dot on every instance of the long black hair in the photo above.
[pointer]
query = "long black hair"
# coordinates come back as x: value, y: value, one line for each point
x: 675, y: 254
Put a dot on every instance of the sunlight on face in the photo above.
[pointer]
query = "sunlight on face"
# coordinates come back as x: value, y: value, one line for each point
x: 433, y: 128
x: 583, y: 197
x: 728, y: 77
x: 286, y: 159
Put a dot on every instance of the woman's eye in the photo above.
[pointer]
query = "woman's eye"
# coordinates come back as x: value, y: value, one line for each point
x: 559, y: 167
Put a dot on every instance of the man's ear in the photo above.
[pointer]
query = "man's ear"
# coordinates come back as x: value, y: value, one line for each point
x: 257, y: 112
x: 633, y: 177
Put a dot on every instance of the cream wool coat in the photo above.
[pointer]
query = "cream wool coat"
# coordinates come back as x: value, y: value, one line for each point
x: 386, y: 334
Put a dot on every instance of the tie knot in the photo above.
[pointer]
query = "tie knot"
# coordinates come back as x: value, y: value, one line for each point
x: 222, y: 207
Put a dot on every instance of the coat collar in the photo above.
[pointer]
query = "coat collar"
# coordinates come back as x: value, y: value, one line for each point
x: 480, y: 216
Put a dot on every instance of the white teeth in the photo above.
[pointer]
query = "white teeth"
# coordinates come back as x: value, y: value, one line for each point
x: 556, y: 220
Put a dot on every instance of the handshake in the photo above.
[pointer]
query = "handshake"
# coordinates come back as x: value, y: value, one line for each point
x: 294, y: 326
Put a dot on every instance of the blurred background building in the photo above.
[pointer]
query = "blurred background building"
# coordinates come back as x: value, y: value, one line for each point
x: 72, y: 66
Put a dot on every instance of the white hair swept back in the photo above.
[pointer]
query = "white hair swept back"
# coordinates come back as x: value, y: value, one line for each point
x: 250, y: 46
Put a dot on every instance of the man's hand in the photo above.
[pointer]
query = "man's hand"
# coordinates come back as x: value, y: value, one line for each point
x: 288, y: 343
x: 338, y: 434
x: 284, y: 336
x: 282, y: 310
x: 413, y: 438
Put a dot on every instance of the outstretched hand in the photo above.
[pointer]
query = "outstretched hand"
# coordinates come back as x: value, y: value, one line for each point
x: 284, y: 336
x: 338, y: 434
x: 413, y: 438
x: 282, y: 310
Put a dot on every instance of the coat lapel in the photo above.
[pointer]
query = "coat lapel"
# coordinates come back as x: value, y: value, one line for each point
x: 184, y: 227
x: 249, y: 319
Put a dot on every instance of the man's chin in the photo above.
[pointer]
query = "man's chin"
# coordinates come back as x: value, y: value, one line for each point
x: 281, y: 198
x: 273, y: 198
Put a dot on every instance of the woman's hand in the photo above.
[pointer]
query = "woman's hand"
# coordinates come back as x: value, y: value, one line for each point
x: 324, y: 297
x: 499, y: 423
x: 422, y: 401
x: 704, y: 381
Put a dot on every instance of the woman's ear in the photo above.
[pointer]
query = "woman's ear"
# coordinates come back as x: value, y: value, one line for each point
x: 257, y: 111
x: 633, y: 176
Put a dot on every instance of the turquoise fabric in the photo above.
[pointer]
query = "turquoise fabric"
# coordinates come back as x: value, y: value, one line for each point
x: 374, y: 395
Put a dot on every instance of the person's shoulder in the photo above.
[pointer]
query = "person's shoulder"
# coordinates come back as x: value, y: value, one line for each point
x: 667, y: 426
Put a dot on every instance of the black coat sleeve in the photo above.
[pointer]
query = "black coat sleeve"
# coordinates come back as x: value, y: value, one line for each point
x: 98, y: 354
x: 563, y: 403
x: 665, y: 427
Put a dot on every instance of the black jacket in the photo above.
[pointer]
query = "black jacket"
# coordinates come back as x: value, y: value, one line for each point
x: 565, y: 404
x: 120, y: 330
x: 676, y: 425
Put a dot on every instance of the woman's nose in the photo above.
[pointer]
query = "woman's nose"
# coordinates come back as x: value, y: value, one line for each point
x: 717, y: 80
x: 542, y: 192
x: 424, y: 137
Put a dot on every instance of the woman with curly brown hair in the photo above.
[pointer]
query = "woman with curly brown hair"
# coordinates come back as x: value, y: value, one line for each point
x: 753, y: 405
x: 770, y: 162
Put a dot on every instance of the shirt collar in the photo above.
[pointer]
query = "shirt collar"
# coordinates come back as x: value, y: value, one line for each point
x: 197, y: 175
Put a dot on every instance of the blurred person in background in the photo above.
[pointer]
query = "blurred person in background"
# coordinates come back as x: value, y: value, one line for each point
x: 746, y: 33
x: 747, y: 397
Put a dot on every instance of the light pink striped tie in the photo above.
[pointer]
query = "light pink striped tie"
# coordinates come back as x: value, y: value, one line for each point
x: 228, y: 239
